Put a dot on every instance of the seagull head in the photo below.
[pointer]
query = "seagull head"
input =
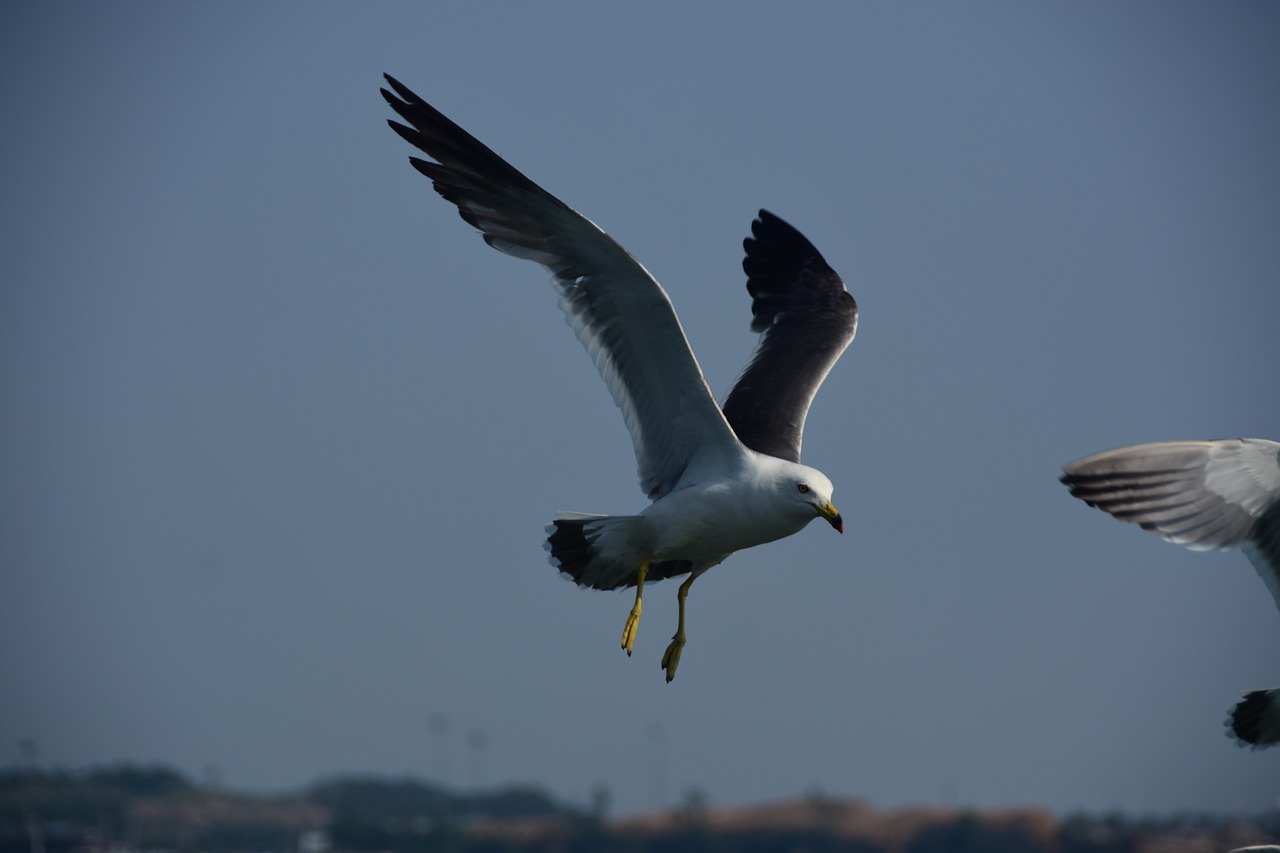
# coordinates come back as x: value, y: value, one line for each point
x: 810, y: 487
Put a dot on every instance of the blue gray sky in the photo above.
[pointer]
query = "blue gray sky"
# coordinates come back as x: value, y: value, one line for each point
x: 280, y: 434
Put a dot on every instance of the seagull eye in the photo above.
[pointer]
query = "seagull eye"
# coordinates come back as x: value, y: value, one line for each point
x: 804, y: 490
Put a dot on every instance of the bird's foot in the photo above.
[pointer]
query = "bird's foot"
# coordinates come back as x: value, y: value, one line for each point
x: 629, y: 630
x: 633, y: 621
x: 671, y: 658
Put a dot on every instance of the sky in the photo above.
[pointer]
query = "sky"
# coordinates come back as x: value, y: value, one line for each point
x: 280, y: 433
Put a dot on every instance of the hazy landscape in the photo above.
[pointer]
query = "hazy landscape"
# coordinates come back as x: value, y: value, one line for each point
x: 154, y: 808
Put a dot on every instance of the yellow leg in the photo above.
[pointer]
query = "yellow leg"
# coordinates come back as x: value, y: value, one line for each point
x: 671, y: 659
x: 633, y: 621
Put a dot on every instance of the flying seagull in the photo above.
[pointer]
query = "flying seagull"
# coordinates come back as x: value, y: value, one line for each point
x: 1205, y: 495
x: 720, y: 480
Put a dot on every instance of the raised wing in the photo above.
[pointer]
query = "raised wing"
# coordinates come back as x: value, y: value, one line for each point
x: 1201, y: 494
x: 807, y: 319
x: 617, y: 309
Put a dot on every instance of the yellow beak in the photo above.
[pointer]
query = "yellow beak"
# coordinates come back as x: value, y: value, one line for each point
x: 832, y: 515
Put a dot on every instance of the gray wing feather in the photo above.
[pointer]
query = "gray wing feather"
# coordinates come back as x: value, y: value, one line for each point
x: 616, y: 308
x: 1201, y: 494
x: 1263, y: 550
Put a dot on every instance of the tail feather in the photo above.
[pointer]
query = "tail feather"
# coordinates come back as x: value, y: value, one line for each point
x: 1255, y: 720
x: 595, y: 551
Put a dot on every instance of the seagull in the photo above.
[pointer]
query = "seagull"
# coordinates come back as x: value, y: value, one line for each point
x: 1205, y: 495
x: 719, y: 479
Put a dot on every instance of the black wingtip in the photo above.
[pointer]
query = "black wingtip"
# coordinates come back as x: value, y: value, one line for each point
x: 769, y: 225
x: 401, y: 90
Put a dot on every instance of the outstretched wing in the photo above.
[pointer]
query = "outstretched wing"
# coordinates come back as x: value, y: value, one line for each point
x: 617, y: 309
x: 1201, y: 494
x: 807, y: 319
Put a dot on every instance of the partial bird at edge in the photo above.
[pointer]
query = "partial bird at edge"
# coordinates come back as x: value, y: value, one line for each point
x: 1205, y: 495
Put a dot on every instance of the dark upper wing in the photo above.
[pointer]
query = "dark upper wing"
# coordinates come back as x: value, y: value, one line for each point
x: 617, y: 309
x: 807, y: 319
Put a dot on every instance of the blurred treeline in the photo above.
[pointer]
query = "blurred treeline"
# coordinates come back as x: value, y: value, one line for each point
x: 127, y: 807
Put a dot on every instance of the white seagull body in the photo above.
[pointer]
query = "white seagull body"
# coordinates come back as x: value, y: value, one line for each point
x: 720, y: 480
x: 1204, y: 495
